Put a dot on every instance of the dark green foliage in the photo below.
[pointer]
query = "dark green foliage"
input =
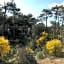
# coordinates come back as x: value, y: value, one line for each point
x: 60, y: 55
x: 37, y: 29
x: 15, y: 27
x: 41, y: 52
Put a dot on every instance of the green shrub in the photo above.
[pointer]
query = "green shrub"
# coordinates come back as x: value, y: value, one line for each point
x: 12, y: 57
x: 41, y: 54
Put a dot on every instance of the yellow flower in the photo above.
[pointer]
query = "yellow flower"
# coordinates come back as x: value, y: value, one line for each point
x: 41, y: 38
x: 28, y: 49
x: 53, y: 45
x: 3, y: 40
x: 37, y: 41
x: 4, y: 46
x: 44, y: 33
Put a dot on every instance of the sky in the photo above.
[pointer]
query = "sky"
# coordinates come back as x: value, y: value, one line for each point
x: 35, y: 7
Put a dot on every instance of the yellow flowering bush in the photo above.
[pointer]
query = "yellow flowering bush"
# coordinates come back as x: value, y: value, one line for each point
x: 44, y: 33
x: 41, y: 38
x: 54, y: 46
x: 4, y: 46
x: 29, y: 50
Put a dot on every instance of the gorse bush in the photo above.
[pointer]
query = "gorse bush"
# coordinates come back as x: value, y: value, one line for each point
x: 8, y: 54
x: 29, y: 50
x: 4, y: 46
x: 53, y: 46
x: 41, y: 38
x: 44, y: 33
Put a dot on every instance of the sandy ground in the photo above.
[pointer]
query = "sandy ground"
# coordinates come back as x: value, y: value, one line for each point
x: 47, y: 60
x: 50, y: 61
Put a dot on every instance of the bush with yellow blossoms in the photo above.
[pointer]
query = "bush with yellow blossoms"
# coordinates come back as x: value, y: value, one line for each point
x: 44, y: 33
x: 29, y: 50
x: 7, y: 53
x: 41, y: 38
x: 4, y: 46
x: 54, y: 46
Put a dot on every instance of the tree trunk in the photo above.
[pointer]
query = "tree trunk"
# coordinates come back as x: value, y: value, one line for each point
x: 46, y: 22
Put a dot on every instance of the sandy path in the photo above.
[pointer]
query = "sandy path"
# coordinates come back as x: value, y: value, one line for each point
x: 50, y: 61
